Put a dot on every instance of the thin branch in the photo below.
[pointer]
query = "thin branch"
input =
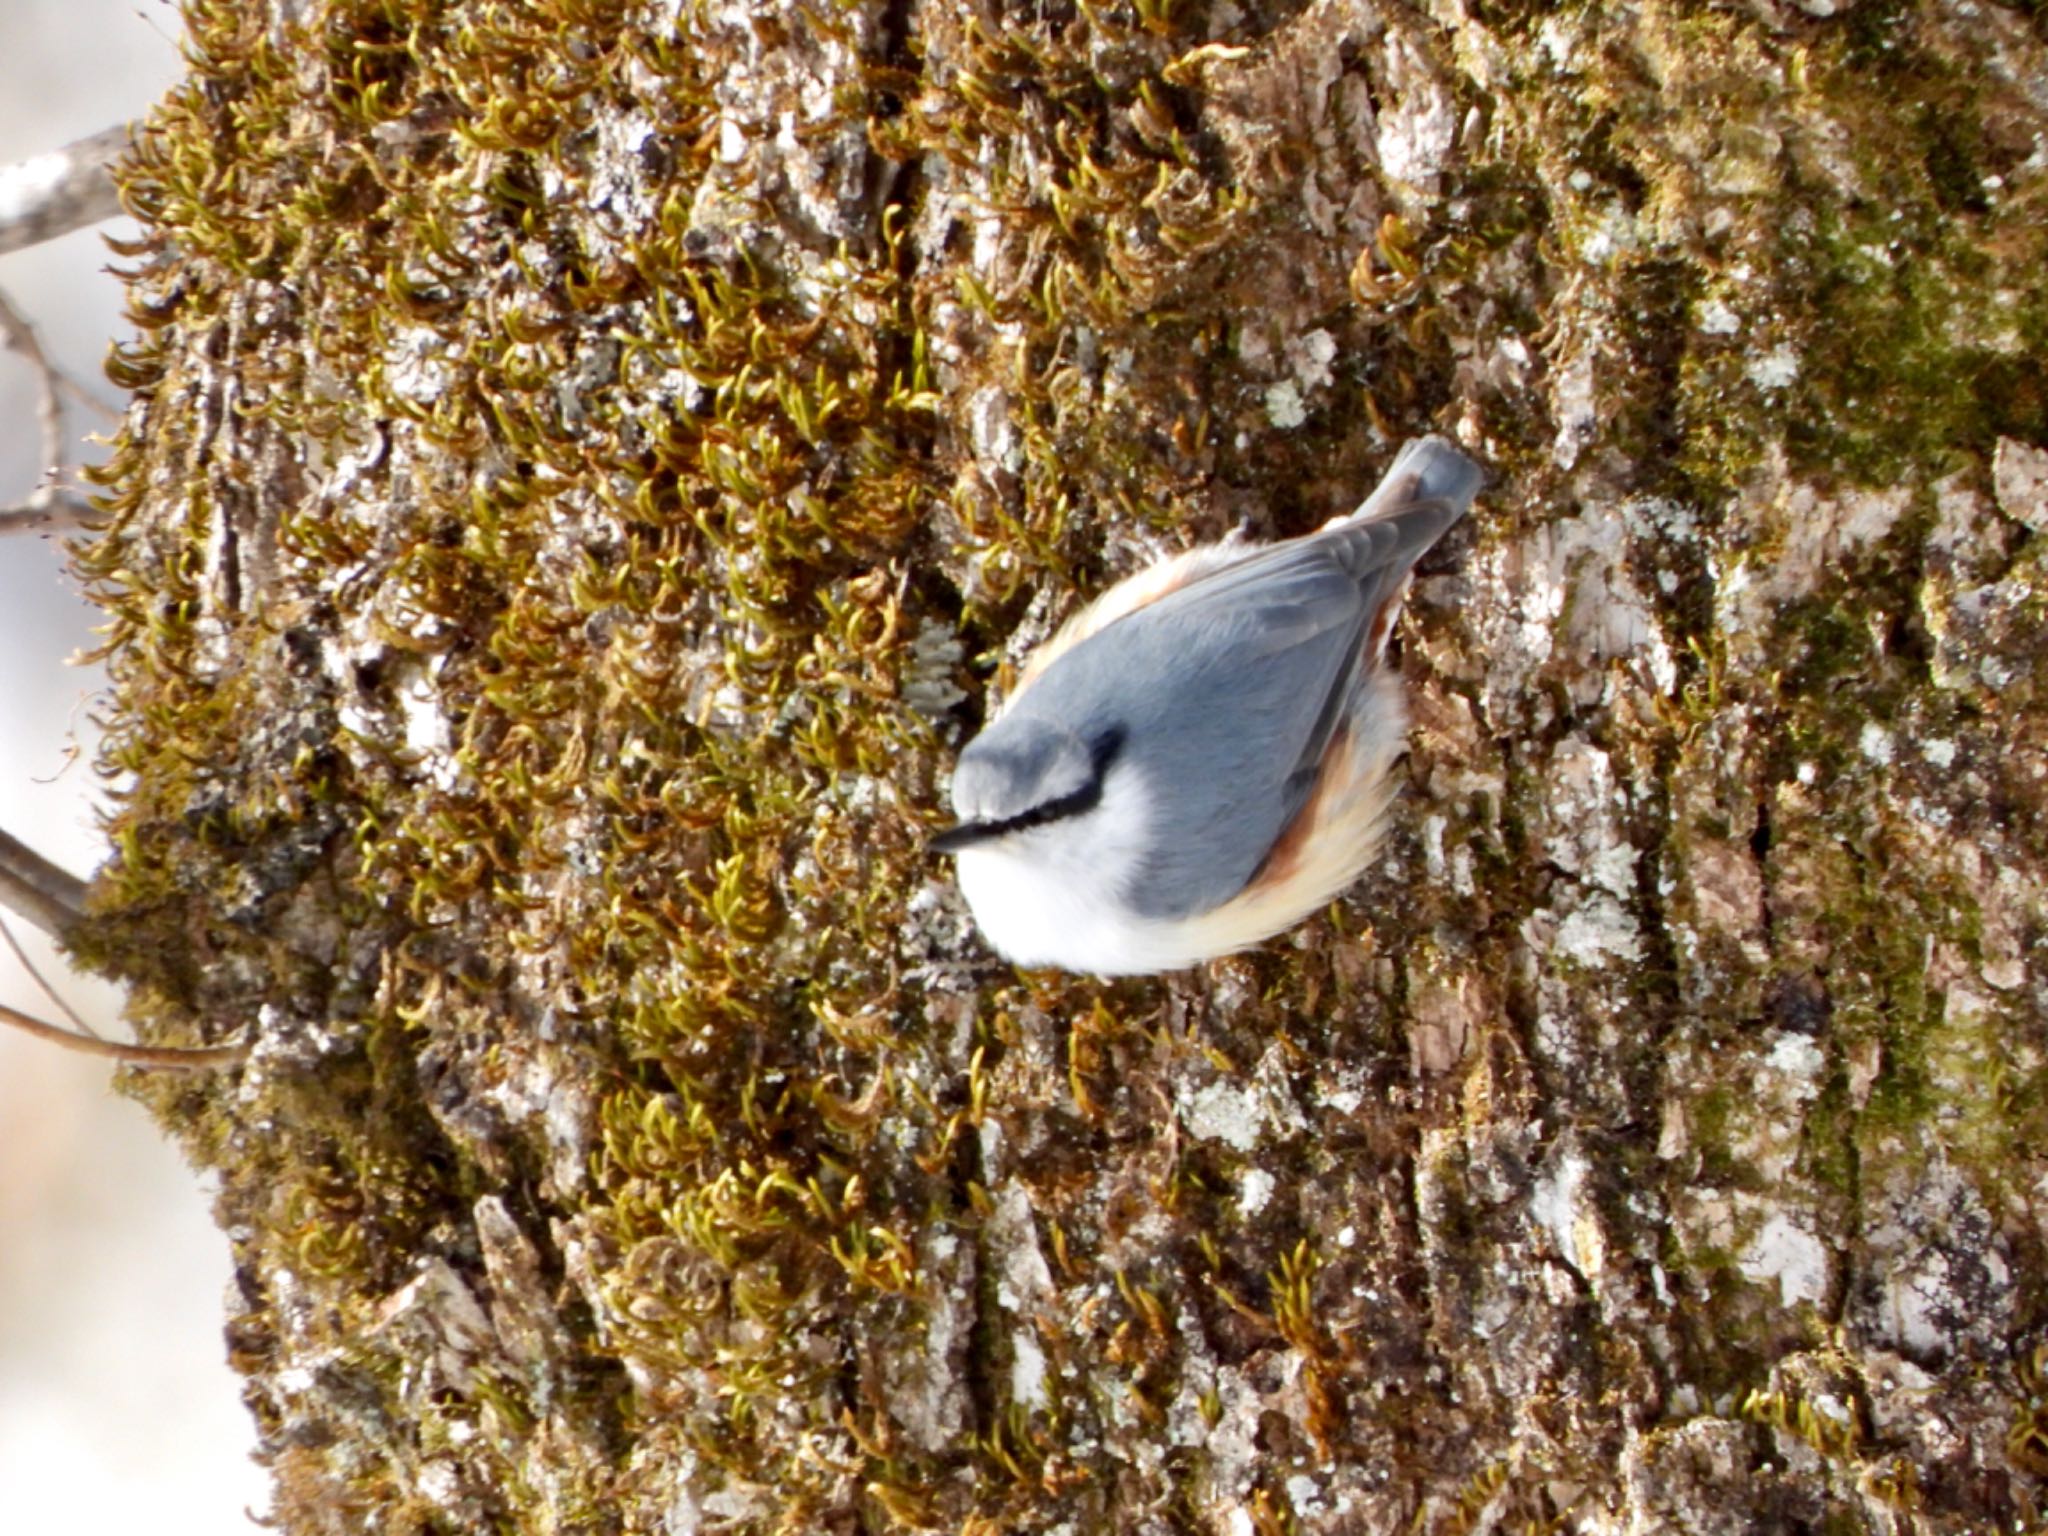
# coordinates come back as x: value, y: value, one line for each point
x: 80, y: 395
x: 50, y: 511
x: 49, y: 508
x: 159, y: 1058
x: 43, y: 982
x: 34, y: 888
x: 67, y: 189
x: 21, y: 337
x: 53, y: 900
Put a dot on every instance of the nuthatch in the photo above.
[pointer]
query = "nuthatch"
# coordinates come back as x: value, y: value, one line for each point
x: 1200, y: 758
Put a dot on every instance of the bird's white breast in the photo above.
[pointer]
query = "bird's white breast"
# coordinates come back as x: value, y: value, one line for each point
x: 1055, y: 895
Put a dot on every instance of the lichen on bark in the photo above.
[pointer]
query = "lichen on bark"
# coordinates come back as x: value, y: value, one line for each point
x: 590, y: 464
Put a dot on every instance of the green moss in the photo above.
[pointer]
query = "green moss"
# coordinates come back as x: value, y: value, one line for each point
x: 1914, y: 357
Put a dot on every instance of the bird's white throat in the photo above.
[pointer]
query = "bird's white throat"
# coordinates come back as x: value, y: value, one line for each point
x: 1057, y: 894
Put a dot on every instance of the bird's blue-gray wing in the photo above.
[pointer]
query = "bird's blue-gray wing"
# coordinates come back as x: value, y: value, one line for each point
x: 1258, y: 663
x: 1320, y: 603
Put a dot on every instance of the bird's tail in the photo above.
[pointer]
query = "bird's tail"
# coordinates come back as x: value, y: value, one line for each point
x: 1427, y: 469
x: 1426, y: 489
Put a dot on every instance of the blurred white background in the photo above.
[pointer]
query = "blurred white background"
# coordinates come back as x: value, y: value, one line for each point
x: 117, y: 1410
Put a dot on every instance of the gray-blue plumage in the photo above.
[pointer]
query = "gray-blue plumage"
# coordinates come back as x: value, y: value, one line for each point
x: 1223, y: 695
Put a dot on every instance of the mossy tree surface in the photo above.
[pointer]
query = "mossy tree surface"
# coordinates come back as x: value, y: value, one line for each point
x: 589, y: 465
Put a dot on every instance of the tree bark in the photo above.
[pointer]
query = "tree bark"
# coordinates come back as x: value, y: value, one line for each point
x: 589, y: 466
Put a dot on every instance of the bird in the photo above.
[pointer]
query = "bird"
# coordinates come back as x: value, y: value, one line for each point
x: 1201, y: 758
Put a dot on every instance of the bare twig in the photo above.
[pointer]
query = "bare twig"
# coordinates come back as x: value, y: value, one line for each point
x: 53, y: 900
x: 160, y: 1058
x: 49, y: 511
x: 43, y: 982
x: 21, y: 337
x: 67, y: 189
x: 34, y: 888
x: 50, y: 507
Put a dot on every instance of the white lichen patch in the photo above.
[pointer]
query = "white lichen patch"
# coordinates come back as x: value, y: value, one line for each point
x: 1799, y: 1060
x: 619, y: 179
x: 1239, y: 1113
x: 417, y: 366
x: 1284, y: 407
x: 1254, y: 1191
x: 1584, y: 807
x: 1433, y: 828
x: 1023, y: 1278
x: 1309, y: 358
x: 1560, y: 37
x: 1224, y: 1111
x: 2019, y: 479
x: 1713, y: 317
x: 1786, y: 1252
x: 1305, y: 1496
x: 1417, y: 129
x: 1773, y: 1241
x: 1589, y: 921
x: 425, y: 729
x: 1574, y: 406
x: 1027, y: 1371
x: 992, y: 432
x: 1596, y: 932
x: 1567, y: 590
x: 1610, y: 617
x: 1514, y: 594
x: 1562, y: 1206
x: 1775, y: 369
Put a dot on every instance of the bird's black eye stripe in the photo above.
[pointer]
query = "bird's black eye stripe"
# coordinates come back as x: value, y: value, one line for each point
x: 1102, y: 752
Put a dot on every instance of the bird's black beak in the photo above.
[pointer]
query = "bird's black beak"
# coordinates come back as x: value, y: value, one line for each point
x: 965, y: 835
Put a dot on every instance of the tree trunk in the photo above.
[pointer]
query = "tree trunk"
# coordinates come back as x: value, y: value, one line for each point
x: 592, y: 463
